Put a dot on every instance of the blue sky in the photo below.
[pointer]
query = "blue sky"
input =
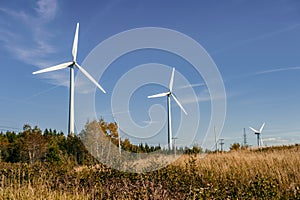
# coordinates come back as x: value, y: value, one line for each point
x: 255, y: 45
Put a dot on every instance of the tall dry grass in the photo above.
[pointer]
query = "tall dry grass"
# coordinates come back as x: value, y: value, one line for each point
x: 245, y: 174
x: 272, y: 174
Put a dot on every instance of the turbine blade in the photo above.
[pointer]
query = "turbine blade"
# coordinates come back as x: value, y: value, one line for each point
x: 172, y: 80
x: 89, y: 77
x: 262, y: 127
x: 255, y: 131
x: 179, y: 104
x: 75, y: 43
x: 159, y: 95
x: 54, y: 68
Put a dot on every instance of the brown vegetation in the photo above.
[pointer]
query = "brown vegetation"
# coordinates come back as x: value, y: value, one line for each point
x: 243, y: 174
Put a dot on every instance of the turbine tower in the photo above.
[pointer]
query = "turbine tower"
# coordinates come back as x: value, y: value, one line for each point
x: 258, y: 132
x: 71, y: 65
x: 169, y: 94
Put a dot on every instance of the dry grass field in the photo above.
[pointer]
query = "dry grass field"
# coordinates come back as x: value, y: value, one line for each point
x: 273, y: 173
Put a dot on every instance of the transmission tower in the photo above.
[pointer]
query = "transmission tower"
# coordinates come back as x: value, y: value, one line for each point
x: 174, y: 143
x: 245, y: 138
x: 221, y: 144
x: 216, y: 142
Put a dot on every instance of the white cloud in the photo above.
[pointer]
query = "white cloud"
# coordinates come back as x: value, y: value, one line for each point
x: 115, y: 114
x: 257, y: 38
x: 41, y: 92
x: 192, y: 85
x: 150, y: 122
x: 203, y: 96
x: 20, y: 15
x: 277, y: 70
x: 275, y: 140
x: 46, y: 9
x: 28, y: 41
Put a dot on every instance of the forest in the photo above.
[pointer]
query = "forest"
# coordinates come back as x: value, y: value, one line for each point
x: 33, y: 145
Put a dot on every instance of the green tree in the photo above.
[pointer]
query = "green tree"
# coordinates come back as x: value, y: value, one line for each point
x: 4, y: 143
x: 32, y: 144
x: 53, y: 154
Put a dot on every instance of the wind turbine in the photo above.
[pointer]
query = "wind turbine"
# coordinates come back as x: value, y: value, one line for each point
x: 169, y: 94
x: 71, y: 65
x: 258, y: 132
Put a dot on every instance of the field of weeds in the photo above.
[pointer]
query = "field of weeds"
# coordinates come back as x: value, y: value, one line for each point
x: 271, y: 174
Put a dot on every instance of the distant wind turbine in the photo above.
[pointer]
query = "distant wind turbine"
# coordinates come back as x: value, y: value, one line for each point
x: 71, y: 65
x: 169, y: 94
x: 258, y: 132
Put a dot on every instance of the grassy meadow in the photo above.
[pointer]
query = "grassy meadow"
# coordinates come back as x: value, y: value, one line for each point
x: 272, y: 173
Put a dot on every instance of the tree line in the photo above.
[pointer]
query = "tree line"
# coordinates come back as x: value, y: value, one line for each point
x: 33, y: 145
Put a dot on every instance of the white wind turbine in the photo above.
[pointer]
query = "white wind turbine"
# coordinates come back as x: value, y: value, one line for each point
x: 71, y: 65
x: 168, y: 95
x: 258, y: 132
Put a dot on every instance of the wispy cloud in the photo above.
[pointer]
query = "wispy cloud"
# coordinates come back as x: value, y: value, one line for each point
x: 203, y: 96
x: 192, y: 85
x: 28, y: 41
x: 46, y: 9
x: 275, y: 140
x: 41, y: 92
x: 277, y: 70
x: 115, y: 113
x: 268, y: 71
x: 150, y: 122
x: 258, y: 37
x: 26, y: 36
